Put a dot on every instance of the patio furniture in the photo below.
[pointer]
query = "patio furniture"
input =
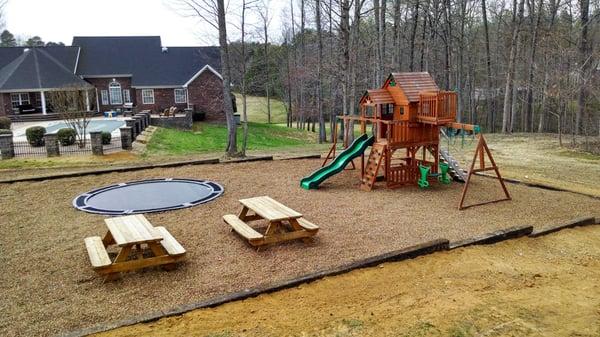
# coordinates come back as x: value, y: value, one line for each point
x: 284, y: 223
x: 110, y: 114
x: 130, y: 233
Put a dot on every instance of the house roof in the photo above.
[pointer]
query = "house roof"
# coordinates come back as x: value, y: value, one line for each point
x: 414, y: 83
x: 144, y: 59
x: 377, y: 96
x: 65, y: 55
x: 37, y: 69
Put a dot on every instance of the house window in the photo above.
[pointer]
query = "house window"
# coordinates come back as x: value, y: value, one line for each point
x: 114, y: 92
x: 19, y: 99
x: 180, y: 96
x: 147, y: 96
x: 126, y: 96
x: 104, y: 94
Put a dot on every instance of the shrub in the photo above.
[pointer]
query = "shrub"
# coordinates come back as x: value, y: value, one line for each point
x: 35, y: 135
x: 5, y: 123
x: 5, y: 132
x: 106, y: 137
x: 66, y: 136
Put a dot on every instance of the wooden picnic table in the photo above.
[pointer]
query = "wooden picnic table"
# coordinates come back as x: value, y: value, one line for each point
x: 284, y: 223
x: 130, y: 233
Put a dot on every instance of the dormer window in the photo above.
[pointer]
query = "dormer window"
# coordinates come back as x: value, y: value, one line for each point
x: 114, y: 93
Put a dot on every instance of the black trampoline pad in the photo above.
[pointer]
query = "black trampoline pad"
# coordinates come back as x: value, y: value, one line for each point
x: 147, y: 196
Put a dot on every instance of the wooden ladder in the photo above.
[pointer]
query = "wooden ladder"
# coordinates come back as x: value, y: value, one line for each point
x: 372, y: 167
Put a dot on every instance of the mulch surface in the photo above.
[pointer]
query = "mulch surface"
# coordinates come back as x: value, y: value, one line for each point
x: 48, y: 285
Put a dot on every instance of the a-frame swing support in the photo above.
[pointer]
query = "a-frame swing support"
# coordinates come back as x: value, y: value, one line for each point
x: 481, y: 150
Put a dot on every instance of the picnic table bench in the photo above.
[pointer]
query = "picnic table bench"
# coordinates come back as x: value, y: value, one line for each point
x: 284, y: 223
x: 129, y: 233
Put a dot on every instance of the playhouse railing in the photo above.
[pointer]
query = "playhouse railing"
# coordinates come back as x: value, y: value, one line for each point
x: 393, y: 132
x: 437, y: 107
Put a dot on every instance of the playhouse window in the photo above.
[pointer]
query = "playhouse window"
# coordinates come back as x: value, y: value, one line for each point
x: 388, y: 109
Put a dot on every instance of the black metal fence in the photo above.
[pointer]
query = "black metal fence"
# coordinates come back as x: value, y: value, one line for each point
x: 24, y: 150
x: 114, y: 146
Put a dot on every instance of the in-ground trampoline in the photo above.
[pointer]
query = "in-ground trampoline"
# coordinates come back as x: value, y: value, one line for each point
x: 146, y: 196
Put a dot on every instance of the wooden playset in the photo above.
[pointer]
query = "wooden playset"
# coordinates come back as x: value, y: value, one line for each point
x: 407, y: 115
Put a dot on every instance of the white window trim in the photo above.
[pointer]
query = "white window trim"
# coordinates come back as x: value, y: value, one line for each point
x: 144, y: 101
x: 126, y: 96
x: 184, y: 95
x: 104, y: 94
x: 115, y: 94
x: 20, y: 99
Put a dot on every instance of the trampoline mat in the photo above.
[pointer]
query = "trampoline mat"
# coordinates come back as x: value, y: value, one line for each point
x: 146, y: 196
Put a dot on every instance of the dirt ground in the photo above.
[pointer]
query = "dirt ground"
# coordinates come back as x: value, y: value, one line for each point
x: 546, y: 286
x: 48, y: 286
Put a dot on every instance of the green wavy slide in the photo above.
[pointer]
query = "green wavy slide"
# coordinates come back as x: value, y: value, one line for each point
x: 359, y: 146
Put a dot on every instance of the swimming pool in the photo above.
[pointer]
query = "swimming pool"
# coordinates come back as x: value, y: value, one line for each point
x: 106, y: 125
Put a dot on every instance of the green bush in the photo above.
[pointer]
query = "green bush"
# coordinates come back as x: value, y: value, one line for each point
x: 5, y: 123
x: 66, y: 136
x: 5, y: 132
x: 106, y: 137
x: 35, y: 135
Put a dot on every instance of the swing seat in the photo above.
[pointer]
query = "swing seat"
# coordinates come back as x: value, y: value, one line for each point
x: 422, y: 182
x: 443, y: 175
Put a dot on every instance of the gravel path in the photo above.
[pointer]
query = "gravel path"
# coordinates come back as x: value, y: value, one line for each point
x: 48, y: 286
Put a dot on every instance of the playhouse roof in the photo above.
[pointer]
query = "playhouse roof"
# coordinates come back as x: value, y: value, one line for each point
x: 414, y: 83
x: 377, y: 96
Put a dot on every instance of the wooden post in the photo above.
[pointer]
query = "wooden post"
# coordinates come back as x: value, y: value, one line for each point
x: 479, y: 151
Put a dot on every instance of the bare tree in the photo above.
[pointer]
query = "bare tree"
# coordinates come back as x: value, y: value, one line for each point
x: 212, y: 12
x: 72, y: 104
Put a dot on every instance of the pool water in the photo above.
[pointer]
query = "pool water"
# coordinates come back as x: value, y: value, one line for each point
x: 107, y: 125
x: 95, y: 125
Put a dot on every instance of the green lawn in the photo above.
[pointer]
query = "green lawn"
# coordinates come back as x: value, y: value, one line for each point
x: 206, y: 137
x: 257, y: 109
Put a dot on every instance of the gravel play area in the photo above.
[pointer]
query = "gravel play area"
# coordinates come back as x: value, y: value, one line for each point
x: 49, y: 287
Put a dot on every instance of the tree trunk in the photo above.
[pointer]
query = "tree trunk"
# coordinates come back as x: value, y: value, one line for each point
x: 584, y: 65
x: 226, y: 74
x: 244, y: 100
x: 413, y: 34
x: 396, y: 55
x: 489, y: 96
x: 506, y: 115
x: 345, y: 57
x: 322, y: 135
x: 534, y: 38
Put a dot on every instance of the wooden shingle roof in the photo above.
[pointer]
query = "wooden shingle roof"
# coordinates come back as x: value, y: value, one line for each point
x: 414, y: 83
x: 377, y: 96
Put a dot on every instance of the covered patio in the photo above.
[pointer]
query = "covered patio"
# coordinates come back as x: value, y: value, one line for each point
x: 26, y: 82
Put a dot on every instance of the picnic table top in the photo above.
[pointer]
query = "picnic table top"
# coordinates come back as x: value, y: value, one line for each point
x: 132, y: 229
x: 270, y: 209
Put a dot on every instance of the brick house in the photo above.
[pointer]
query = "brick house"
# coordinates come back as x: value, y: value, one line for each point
x: 137, y: 70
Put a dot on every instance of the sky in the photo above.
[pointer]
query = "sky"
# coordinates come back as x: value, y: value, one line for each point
x: 60, y: 20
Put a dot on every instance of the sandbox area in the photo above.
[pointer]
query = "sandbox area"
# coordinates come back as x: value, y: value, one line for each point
x: 50, y: 288
x: 527, y: 287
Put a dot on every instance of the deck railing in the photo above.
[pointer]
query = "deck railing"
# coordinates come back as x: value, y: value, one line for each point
x: 437, y: 106
x: 394, y: 132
